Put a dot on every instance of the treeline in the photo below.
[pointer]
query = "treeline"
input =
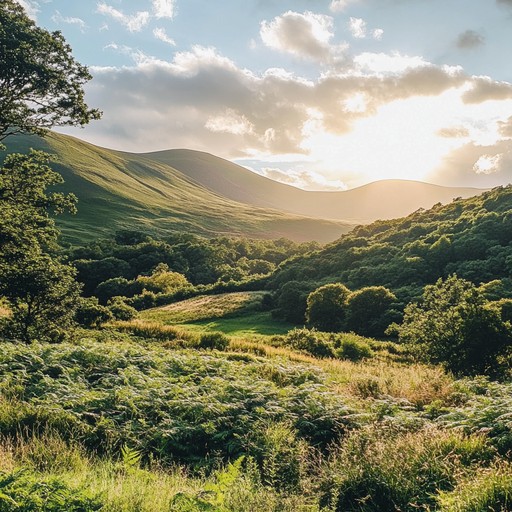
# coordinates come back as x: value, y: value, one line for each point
x: 139, y: 267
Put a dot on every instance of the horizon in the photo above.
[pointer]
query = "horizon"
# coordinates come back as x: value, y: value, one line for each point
x: 330, y: 95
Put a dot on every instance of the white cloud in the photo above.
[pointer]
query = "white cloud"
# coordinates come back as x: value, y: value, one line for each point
x: 164, y: 8
x: 340, y: 5
x: 381, y: 115
x: 357, y: 27
x: 160, y: 34
x: 305, y: 35
x: 58, y: 18
x: 377, y: 34
x: 368, y: 62
x: 229, y: 122
x: 488, y: 164
x: 133, y: 22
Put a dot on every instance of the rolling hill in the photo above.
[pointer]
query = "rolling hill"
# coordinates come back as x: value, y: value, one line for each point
x: 185, y: 190
x: 386, y: 199
x: 119, y: 190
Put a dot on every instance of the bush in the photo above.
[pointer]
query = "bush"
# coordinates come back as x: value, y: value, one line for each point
x: 309, y: 340
x: 326, y: 307
x: 213, y: 340
x: 120, y: 310
x: 352, y: 349
x: 376, y: 470
x: 92, y: 314
x: 23, y: 492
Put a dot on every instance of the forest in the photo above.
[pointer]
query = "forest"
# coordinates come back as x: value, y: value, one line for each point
x: 229, y: 374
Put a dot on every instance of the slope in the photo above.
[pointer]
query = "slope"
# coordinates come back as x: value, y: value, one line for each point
x: 387, y: 199
x: 468, y: 237
x: 121, y: 190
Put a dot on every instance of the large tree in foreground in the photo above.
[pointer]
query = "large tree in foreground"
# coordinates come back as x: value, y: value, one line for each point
x: 41, y: 84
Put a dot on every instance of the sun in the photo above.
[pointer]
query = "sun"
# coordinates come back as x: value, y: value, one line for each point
x: 404, y: 139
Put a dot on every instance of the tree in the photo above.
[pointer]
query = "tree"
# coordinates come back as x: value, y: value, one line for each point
x: 41, y: 84
x: 41, y: 291
x: 368, y: 310
x: 456, y: 326
x: 42, y: 295
x: 326, y: 307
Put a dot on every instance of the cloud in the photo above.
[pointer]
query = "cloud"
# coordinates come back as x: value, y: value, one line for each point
x: 485, y: 89
x: 454, y: 132
x: 58, y: 18
x: 340, y: 5
x: 229, y: 122
x: 357, y: 27
x: 488, y: 164
x: 306, y: 180
x: 133, y: 22
x: 160, y: 34
x: 506, y: 3
x: 164, y: 8
x: 304, y: 35
x: 377, y: 34
x: 470, y: 39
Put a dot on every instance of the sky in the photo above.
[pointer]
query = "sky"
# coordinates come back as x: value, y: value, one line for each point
x: 320, y: 94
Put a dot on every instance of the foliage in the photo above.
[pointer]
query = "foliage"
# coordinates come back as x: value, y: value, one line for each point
x: 158, y: 401
x: 41, y: 84
x: 92, y: 314
x: 213, y: 340
x: 22, y: 492
x: 470, y: 238
x: 326, y: 307
x: 454, y: 326
x: 120, y: 310
x: 309, y: 340
x: 377, y: 470
x: 41, y: 292
x: 369, y: 310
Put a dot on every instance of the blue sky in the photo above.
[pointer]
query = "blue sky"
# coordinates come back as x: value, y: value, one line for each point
x: 321, y: 94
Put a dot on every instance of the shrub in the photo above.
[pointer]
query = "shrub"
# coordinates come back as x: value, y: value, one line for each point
x: 213, y: 340
x: 326, y: 307
x: 120, y: 310
x: 92, y: 314
x: 491, y: 489
x: 378, y: 470
x: 309, y: 340
x: 23, y: 492
x: 353, y: 350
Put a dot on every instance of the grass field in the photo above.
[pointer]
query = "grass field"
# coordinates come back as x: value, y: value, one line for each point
x: 236, y: 314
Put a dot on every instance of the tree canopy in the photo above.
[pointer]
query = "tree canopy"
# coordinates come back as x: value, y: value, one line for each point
x: 456, y: 326
x: 41, y: 84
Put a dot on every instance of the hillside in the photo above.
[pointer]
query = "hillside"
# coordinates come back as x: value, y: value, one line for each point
x: 122, y: 190
x: 470, y: 237
x: 387, y: 199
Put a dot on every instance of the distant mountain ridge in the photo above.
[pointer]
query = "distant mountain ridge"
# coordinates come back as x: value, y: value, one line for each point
x: 186, y: 190
x: 386, y: 199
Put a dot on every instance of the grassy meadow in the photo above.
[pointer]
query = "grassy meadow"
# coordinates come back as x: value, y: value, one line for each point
x: 144, y: 415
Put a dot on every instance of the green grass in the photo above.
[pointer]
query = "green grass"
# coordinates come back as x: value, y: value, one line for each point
x: 123, y: 190
x: 236, y: 314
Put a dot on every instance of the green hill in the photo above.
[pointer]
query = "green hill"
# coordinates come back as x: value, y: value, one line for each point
x: 386, y: 199
x: 470, y: 237
x: 122, y: 190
